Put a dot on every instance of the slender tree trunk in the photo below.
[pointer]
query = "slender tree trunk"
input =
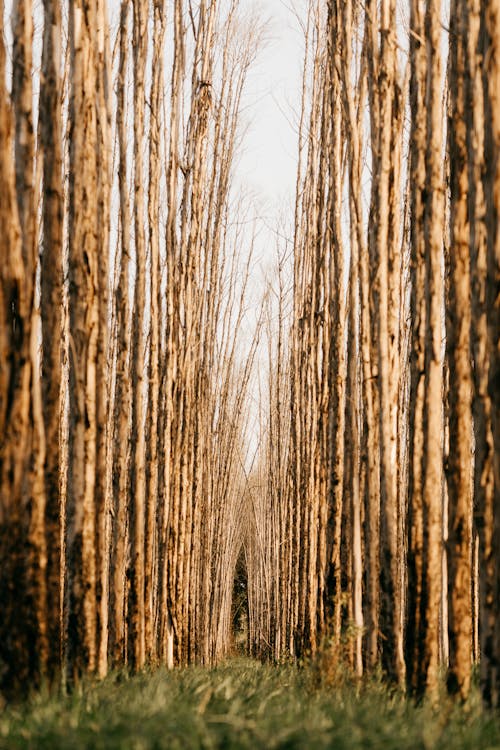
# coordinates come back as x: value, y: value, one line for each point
x: 121, y: 457
x: 433, y: 406
x: 84, y: 332
x: 490, y: 516
x: 415, y: 625
x: 136, y: 614
x: 152, y: 515
x: 51, y: 313
x: 483, y: 439
x: 459, y: 471
x: 370, y: 360
x: 103, y: 373
x: 24, y: 648
x: 426, y: 399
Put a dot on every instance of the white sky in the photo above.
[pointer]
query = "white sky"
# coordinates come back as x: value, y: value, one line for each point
x: 268, y: 160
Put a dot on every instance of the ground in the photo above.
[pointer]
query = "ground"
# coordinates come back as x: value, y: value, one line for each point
x: 243, y: 704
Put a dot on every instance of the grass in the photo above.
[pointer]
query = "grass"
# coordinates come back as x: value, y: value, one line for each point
x: 243, y: 704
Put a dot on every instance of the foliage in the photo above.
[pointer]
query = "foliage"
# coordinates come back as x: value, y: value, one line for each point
x: 243, y: 704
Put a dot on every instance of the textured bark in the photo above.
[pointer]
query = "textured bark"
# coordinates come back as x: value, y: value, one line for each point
x: 84, y: 331
x: 415, y: 626
x: 371, y: 406
x: 169, y: 358
x: 433, y: 406
x: 353, y: 479
x: 334, y: 342
x: 136, y: 622
x: 51, y: 314
x: 354, y: 102
x: 34, y: 491
x: 488, y: 511
x: 122, y: 411
x: 483, y: 454
x: 384, y: 248
x: 426, y: 399
x: 458, y: 322
x: 103, y: 371
x: 153, y: 466
x: 318, y: 372
x: 23, y: 653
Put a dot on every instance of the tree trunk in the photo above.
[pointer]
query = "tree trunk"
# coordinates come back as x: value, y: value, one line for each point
x: 84, y: 332
x: 458, y: 322
x: 136, y: 614
x: 489, y: 513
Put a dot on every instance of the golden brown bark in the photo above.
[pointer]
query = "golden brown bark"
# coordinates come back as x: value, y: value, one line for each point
x: 26, y: 176
x: 103, y: 372
x: 152, y: 515
x: 136, y: 621
x: 83, y: 349
x: 334, y: 326
x: 433, y: 405
x: 490, y: 517
x: 458, y: 322
x: 22, y: 542
x: 51, y: 315
x: 426, y: 400
x: 122, y: 405
x: 384, y: 250
x: 415, y: 626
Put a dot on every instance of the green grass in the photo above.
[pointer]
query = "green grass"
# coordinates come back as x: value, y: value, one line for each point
x: 243, y: 704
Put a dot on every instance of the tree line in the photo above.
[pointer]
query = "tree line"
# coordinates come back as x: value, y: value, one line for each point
x: 123, y: 370
x: 370, y: 520
x: 380, y: 472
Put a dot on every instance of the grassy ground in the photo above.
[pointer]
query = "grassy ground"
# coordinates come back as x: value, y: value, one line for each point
x: 242, y: 705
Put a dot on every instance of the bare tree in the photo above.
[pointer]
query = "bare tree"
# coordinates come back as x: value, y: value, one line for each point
x: 50, y: 126
x: 458, y: 326
x: 488, y: 509
x: 22, y: 494
x: 84, y: 333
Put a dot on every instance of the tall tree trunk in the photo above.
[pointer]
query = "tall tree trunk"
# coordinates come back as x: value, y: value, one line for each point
x: 152, y: 538
x: 51, y: 313
x: 139, y: 399
x: 490, y: 515
x: 122, y: 414
x: 483, y: 439
x: 23, y: 636
x: 433, y: 406
x: 103, y: 373
x: 84, y: 332
x: 415, y: 625
x: 458, y: 322
x: 426, y: 400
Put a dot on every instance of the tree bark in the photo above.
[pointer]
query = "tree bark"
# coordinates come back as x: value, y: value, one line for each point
x: 51, y: 314
x: 458, y: 323
x: 83, y: 354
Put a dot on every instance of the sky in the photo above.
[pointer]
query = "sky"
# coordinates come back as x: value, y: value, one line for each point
x: 268, y: 160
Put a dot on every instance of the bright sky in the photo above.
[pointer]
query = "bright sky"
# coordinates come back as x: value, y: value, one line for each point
x: 268, y: 161
x: 268, y: 155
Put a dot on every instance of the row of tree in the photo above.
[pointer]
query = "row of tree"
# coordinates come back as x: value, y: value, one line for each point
x: 381, y: 518
x: 122, y: 379
x: 371, y: 522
